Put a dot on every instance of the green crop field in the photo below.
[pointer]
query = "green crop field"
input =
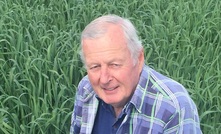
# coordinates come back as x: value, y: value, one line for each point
x: 40, y: 67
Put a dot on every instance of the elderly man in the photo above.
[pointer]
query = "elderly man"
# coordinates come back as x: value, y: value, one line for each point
x: 122, y: 95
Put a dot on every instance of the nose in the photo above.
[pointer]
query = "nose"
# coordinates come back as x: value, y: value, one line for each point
x: 105, y: 75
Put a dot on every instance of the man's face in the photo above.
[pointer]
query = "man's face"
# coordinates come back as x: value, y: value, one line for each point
x: 110, y: 67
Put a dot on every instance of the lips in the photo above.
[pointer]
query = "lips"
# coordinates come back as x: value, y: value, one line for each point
x: 109, y: 89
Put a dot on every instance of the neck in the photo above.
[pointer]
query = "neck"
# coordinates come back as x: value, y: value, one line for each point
x: 117, y: 111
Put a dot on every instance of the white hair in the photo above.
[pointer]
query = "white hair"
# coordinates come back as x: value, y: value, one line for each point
x: 97, y: 28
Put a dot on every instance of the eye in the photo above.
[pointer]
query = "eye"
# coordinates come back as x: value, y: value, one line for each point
x: 115, y: 65
x: 94, y: 67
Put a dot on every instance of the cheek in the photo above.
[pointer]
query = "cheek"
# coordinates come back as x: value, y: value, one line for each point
x: 123, y: 77
x: 130, y: 77
x: 93, y: 78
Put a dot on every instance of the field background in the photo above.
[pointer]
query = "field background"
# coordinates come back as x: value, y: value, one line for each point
x: 40, y: 66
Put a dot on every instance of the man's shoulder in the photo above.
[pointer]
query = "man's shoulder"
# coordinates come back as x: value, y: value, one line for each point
x: 162, y: 83
x: 85, y: 89
x: 159, y: 86
x: 84, y: 83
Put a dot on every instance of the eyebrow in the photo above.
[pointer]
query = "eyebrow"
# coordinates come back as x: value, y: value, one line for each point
x: 108, y: 62
x: 116, y: 60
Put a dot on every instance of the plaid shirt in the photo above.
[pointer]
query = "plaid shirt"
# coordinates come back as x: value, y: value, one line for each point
x: 158, y: 105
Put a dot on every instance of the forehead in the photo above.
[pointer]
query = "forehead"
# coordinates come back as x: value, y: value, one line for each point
x: 111, y: 44
x: 113, y: 37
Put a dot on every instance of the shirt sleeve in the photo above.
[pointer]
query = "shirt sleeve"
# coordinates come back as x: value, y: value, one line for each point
x: 77, y: 111
x: 75, y: 124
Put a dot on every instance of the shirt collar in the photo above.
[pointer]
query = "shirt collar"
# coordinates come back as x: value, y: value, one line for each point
x: 137, y: 99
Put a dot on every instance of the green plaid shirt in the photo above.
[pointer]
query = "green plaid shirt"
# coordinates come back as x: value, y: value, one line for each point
x: 159, y: 105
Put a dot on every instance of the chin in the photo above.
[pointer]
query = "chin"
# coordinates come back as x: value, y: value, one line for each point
x: 111, y: 102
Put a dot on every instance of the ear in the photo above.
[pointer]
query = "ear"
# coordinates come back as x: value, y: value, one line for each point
x: 141, y: 60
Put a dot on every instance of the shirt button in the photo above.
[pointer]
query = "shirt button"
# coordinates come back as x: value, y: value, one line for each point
x: 115, y: 127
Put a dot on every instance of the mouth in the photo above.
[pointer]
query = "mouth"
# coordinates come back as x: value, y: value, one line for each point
x: 110, y: 89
